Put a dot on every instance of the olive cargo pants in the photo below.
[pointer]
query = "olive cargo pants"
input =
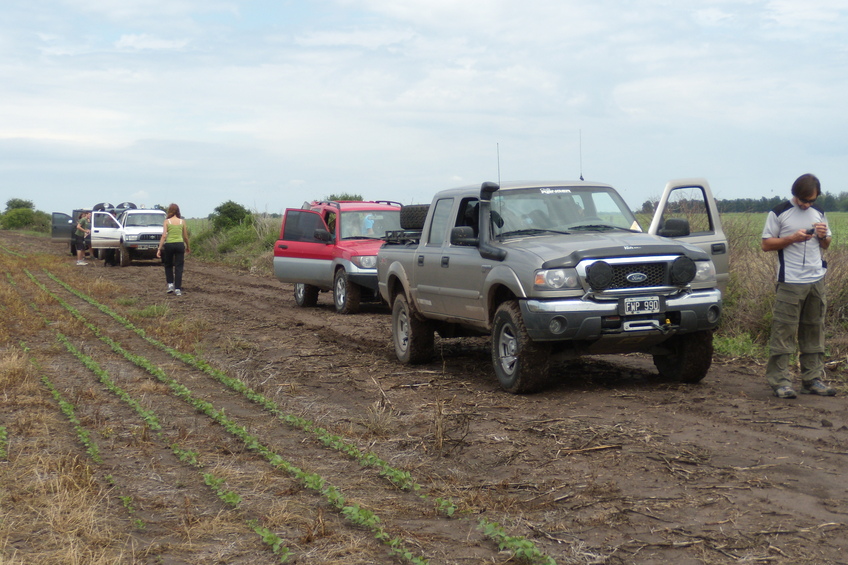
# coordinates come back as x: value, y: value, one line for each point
x: 799, y: 309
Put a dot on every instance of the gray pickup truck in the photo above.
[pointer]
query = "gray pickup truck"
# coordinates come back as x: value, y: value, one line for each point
x: 555, y: 270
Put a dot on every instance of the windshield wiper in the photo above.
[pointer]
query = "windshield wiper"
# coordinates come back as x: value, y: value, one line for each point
x: 532, y: 231
x: 598, y: 227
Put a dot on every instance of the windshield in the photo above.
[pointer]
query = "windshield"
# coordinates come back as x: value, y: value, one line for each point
x: 369, y: 224
x: 531, y: 211
x: 144, y: 220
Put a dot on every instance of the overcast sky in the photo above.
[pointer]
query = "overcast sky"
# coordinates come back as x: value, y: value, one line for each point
x: 272, y: 102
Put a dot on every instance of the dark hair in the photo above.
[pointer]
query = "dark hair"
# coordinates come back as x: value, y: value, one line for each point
x: 806, y: 186
x: 173, y: 210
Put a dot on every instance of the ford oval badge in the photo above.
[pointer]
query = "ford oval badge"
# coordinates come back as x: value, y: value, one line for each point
x: 637, y: 277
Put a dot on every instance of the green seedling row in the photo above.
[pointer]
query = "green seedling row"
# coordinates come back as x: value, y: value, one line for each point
x: 402, y: 479
x: 69, y: 410
x: 353, y: 513
x: 4, y: 443
x: 148, y: 416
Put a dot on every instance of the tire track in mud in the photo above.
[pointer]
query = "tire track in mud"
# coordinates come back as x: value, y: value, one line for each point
x: 408, y: 510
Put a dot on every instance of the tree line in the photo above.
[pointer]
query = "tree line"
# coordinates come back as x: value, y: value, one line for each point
x: 828, y: 202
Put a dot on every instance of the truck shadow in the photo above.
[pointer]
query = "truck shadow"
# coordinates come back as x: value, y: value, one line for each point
x: 470, y: 358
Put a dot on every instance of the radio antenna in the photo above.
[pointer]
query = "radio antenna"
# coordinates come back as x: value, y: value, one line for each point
x: 581, y: 153
x: 498, y: 149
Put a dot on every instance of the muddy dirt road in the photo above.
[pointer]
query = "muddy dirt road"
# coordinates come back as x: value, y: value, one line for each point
x: 609, y: 465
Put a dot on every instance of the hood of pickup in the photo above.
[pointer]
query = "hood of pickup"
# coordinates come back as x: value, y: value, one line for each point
x: 558, y: 251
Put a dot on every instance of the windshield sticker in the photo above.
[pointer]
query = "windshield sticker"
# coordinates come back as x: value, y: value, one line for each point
x: 555, y: 190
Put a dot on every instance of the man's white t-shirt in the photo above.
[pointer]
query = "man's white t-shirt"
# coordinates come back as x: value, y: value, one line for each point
x: 800, y: 262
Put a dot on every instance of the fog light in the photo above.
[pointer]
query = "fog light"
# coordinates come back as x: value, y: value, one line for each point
x: 599, y: 275
x: 557, y: 325
x: 713, y: 314
x: 683, y: 270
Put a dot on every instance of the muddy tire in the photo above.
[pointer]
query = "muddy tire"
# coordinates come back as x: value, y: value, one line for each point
x: 521, y: 364
x: 690, y: 358
x: 124, y: 258
x: 346, y: 295
x: 412, y: 216
x: 413, y: 338
x: 305, y: 295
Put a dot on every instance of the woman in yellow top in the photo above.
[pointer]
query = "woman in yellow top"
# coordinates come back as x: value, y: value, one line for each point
x: 172, y: 248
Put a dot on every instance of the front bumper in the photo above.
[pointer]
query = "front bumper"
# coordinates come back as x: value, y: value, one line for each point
x: 587, y: 319
x: 364, y: 280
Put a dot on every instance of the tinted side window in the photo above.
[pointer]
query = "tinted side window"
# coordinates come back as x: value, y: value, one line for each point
x: 105, y: 221
x: 440, y: 221
x: 301, y: 225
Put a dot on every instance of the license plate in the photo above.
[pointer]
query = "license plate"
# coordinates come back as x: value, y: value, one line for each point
x: 146, y: 246
x: 642, y: 305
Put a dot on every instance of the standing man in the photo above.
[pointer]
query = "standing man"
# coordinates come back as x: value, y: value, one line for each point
x: 798, y: 231
x: 83, y: 230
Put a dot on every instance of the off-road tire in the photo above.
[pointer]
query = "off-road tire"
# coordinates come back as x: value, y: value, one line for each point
x: 413, y: 338
x: 305, y: 295
x: 412, y: 216
x: 346, y: 295
x: 690, y: 358
x: 124, y: 258
x: 521, y: 365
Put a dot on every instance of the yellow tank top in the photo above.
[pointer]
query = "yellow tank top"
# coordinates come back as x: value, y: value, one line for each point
x: 175, y: 232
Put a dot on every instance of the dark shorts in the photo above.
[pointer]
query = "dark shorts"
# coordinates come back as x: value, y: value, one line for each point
x: 81, y: 242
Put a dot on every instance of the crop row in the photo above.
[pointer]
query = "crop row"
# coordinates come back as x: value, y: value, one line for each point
x: 353, y: 512
x: 519, y: 546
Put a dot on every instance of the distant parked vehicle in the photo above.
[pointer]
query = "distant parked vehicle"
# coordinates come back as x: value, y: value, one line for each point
x: 332, y: 245
x: 120, y: 233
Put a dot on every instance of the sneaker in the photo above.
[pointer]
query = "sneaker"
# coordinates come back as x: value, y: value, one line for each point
x: 81, y: 263
x: 170, y: 288
x: 784, y: 392
x: 178, y: 292
x: 817, y: 387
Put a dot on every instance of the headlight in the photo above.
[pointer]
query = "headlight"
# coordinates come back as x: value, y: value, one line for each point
x: 129, y: 237
x: 365, y: 261
x: 706, y: 272
x: 553, y: 279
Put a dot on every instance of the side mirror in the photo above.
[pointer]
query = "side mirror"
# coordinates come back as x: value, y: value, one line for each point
x: 322, y: 235
x: 463, y: 235
x: 674, y: 227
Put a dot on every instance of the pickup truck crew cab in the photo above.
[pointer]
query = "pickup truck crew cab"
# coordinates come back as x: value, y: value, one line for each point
x: 557, y: 270
x: 328, y: 245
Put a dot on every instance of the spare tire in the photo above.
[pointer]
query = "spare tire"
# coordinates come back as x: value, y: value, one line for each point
x: 412, y: 216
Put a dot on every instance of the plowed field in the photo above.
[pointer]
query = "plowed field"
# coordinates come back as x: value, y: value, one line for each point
x: 230, y: 426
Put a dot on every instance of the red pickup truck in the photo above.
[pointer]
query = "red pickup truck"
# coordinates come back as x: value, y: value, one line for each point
x: 332, y: 245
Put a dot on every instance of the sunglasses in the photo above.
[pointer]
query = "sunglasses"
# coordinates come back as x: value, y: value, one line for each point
x: 805, y: 201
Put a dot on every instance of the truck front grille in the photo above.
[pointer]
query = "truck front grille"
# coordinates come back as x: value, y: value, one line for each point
x: 149, y: 237
x: 654, y: 275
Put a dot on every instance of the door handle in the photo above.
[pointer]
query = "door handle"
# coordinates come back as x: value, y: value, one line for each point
x: 420, y: 260
x: 445, y: 261
x: 718, y: 249
x: 282, y: 246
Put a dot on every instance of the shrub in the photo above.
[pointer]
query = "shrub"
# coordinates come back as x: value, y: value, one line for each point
x: 228, y: 215
x: 25, y: 218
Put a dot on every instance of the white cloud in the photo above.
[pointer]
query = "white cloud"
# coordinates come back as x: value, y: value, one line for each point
x: 273, y: 101
x: 148, y: 42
